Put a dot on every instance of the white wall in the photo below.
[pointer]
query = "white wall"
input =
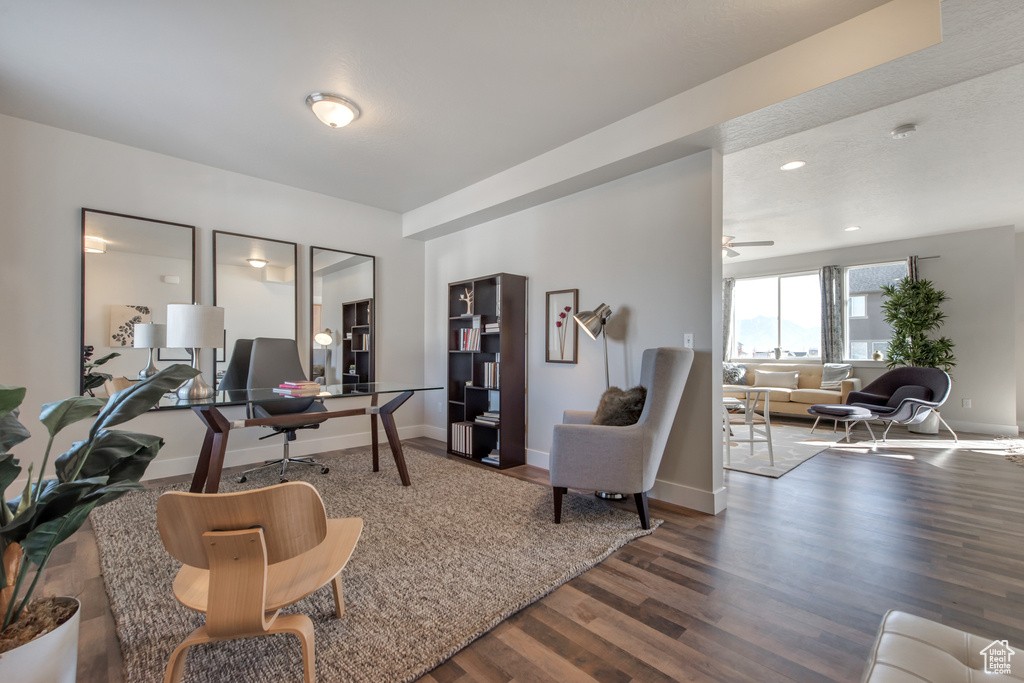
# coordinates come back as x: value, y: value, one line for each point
x: 1019, y: 289
x: 977, y: 270
x: 47, y: 175
x: 338, y: 288
x: 254, y: 307
x: 647, y: 245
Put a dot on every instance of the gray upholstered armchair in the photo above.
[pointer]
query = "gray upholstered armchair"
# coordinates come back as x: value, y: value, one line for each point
x: 622, y: 459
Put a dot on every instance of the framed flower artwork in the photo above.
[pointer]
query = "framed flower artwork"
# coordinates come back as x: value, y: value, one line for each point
x: 562, y: 342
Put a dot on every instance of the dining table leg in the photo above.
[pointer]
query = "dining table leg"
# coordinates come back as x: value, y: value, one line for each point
x: 211, y: 458
x: 373, y: 435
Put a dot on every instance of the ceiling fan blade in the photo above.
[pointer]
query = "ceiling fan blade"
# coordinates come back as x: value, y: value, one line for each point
x: 763, y: 243
x: 730, y: 253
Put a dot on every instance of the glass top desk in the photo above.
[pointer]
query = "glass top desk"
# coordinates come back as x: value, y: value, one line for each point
x: 206, y: 478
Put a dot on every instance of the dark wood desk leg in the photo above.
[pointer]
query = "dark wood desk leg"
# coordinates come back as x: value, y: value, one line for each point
x: 373, y: 435
x: 203, y: 466
x: 388, y: 420
x: 211, y: 459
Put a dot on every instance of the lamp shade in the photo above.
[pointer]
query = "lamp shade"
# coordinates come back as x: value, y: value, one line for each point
x: 592, y: 322
x: 150, y: 336
x: 191, y: 326
x: 324, y: 338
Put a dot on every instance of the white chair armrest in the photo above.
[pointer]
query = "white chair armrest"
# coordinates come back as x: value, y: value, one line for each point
x: 598, y: 457
x: 577, y: 417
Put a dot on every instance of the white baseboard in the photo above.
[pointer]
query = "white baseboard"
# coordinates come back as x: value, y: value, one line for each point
x: 538, y: 459
x: 437, y: 433
x: 983, y: 428
x: 711, y: 502
x: 176, y: 467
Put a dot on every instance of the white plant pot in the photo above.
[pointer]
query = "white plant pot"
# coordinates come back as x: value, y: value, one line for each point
x: 929, y: 426
x: 51, y: 658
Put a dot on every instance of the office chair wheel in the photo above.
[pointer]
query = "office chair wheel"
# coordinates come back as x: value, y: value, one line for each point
x: 283, y: 480
x: 325, y: 470
x: 241, y: 479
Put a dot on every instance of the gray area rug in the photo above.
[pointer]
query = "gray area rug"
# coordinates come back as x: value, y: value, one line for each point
x: 439, y: 564
x: 792, y: 445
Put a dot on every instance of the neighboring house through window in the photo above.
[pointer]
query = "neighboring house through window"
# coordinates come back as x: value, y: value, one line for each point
x: 866, y: 329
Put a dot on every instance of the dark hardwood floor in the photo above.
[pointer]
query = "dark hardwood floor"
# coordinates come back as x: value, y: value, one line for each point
x: 788, y: 584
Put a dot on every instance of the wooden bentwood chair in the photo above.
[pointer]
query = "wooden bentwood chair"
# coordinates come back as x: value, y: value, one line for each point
x: 247, y: 555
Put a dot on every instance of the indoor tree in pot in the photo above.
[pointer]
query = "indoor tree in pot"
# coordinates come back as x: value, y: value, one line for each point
x: 912, y: 309
x: 97, y: 470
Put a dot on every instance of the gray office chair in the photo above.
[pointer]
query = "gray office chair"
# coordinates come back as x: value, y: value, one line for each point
x: 236, y: 377
x: 271, y: 362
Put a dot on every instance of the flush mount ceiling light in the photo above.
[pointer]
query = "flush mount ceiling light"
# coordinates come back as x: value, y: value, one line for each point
x: 94, y: 245
x: 257, y: 262
x: 334, y: 110
x: 852, y: 228
x: 793, y: 165
x: 904, y: 131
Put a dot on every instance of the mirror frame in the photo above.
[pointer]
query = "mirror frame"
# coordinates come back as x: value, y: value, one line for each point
x: 295, y: 258
x: 373, y: 310
x: 85, y: 212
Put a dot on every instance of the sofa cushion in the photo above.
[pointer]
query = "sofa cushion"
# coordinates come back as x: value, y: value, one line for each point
x: 815, y: 396
x: 909, y: 391
x: 809, y: 373
x: 833, y: 374
x: 782, y: 380
x: 775, y: 395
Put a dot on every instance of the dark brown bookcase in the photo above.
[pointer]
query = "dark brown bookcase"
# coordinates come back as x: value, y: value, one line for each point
x: 357, y: 342
x: 499, y: 317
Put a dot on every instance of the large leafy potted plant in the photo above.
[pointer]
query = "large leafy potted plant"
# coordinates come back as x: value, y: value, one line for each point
x: 97, y: 470
x: 913, y: 310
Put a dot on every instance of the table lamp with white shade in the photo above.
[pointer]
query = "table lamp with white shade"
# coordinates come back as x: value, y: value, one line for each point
x: 149, y: 336
x: 195, y: 327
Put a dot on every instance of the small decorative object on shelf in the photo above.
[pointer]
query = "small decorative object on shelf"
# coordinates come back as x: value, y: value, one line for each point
x: 878, y: 355
x: 486, y: 401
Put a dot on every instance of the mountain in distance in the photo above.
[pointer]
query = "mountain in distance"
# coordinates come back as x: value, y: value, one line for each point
x: 758, y: 334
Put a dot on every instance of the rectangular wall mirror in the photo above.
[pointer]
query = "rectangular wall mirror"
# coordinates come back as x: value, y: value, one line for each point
x: 343, y: 311
x: 254, y: 281
x: 132, y: 268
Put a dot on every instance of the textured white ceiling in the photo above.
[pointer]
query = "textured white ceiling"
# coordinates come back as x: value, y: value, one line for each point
x: 451, y: 91
x: 962, y: 170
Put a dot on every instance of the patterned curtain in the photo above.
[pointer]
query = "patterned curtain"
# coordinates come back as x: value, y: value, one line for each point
x: 912, y: 268
x: 728, y: 285
x: 832, y: 314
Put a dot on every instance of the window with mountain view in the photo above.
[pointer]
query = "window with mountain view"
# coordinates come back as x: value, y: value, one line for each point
x: 781, y: 312
x: 866, y: 329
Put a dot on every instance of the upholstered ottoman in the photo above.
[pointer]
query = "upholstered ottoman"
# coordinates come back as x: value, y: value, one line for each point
x: 848, y: 415
x: 912, y: 649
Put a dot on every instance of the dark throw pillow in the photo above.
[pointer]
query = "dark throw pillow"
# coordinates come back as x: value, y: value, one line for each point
x: 620, y: 408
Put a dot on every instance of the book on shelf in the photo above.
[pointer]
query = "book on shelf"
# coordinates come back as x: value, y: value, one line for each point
x: 492, y: 375
x: 462, y: 437
x: 492, y: 327
x: 469, y: 340
x: 303, y: 384
x: 493, y: 458
x: 484, y: 420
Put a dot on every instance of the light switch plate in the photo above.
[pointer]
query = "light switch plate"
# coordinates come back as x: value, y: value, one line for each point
x: 688, y: 340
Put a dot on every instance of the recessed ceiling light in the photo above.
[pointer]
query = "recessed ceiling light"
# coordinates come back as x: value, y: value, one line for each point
x: 257, y: 262
x: 94, y: 245
x: 793, y: 165
x: 904, y: 131
x: 334, y: 110
x: 852, y: 228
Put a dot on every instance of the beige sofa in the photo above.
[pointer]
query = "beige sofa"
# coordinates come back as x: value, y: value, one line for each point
x: 808, y: 391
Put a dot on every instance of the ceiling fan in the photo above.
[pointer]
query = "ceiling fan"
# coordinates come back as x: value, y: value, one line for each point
x: 728, y: 244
